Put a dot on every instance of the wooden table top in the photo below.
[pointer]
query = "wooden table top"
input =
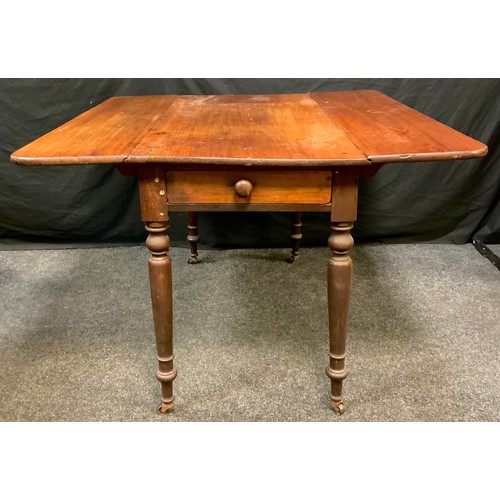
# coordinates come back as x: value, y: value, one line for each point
x: 306, y: 130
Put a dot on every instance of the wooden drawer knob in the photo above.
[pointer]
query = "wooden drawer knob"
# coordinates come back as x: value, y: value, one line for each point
x: 243, y: 188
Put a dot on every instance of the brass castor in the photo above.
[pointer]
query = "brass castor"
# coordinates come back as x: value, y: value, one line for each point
x: 166, y: 407
x: 292, y: 259
x: 192, y: 260
x: 337, y: 406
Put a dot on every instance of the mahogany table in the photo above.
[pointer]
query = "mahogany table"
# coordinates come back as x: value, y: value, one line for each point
x: 288, y: 153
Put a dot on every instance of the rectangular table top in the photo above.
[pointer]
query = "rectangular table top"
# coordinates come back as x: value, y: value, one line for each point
x: 306, y: 130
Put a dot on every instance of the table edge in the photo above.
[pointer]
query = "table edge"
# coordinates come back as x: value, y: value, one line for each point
x: 249, y: 162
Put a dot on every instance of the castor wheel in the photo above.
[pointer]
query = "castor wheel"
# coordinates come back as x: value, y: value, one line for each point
x: 337, y: 406
x: 192, y: 260
x: 165, y: 407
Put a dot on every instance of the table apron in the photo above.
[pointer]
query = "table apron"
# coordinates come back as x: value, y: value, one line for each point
x: 257, y: 207
x: 249, y: 188
x: 337, y: 191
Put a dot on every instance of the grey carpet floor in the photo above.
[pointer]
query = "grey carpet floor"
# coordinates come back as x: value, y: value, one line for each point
x: 76, y: 341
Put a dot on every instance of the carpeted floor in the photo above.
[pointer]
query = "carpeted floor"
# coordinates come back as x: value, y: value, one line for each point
x: 251, y: 341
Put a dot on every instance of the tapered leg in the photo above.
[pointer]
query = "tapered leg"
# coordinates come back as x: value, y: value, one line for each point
x: 339, y: 291
x: 193, y: 236
x: 160, y: 277
x: 296, y: 236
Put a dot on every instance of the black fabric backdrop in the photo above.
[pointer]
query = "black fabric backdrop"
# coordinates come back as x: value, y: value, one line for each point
x: 43, y: 207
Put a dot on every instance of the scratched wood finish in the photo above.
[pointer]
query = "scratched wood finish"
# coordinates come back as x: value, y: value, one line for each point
x: 104, y: 134
x: 388, y: 131
x: 306, y: 130
x: 268, y: 187
x: 262, y: 129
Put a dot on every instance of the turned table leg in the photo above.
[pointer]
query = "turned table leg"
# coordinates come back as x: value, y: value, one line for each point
x: 339, y: 290
x: 340, y: 242
x: 296, y: 236
x: 160, y: 277
x: 193, y: 237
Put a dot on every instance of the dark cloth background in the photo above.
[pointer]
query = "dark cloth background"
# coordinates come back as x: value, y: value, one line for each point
x: 452, y: 201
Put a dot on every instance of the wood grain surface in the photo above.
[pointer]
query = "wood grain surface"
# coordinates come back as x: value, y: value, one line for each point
x: 267, y: 187
x: 388, y: 131
x: 297, y: 130
x: 247, y: 130
x: 104, y: 134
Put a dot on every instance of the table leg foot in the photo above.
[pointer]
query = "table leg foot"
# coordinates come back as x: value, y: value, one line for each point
x: 166, y: 406
x: 193, y: 259
x: 337, y: 406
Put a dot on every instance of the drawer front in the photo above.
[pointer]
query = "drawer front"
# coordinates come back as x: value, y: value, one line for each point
x: 249, y: 187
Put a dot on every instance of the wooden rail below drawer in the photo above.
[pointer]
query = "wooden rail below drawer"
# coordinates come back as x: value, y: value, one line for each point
x: 247, y: 207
